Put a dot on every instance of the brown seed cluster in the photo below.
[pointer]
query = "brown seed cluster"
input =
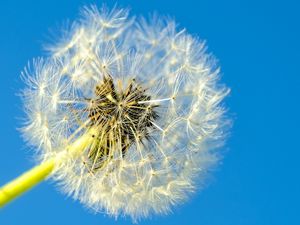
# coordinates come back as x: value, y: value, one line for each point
x: 121, y: 118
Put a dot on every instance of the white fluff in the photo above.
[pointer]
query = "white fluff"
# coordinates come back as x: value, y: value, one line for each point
x: 178, y: 74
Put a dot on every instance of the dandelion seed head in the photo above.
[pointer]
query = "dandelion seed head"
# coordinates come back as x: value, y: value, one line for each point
x: 151, y: 94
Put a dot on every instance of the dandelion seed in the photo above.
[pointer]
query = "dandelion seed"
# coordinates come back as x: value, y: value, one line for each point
x: 125, y: 115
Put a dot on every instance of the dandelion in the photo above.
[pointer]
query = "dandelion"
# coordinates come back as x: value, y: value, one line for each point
x: 124, y: 114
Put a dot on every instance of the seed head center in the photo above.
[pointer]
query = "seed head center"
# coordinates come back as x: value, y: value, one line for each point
x: 120, y: 118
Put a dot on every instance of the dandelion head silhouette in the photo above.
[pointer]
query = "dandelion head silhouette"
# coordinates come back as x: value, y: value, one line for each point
x: 149, y: 97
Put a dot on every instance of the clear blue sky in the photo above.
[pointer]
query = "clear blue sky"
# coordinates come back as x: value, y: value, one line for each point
x: 257, y: 43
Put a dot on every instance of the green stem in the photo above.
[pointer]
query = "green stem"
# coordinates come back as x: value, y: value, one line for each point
x: 29, y: 179
x: 25, y: 181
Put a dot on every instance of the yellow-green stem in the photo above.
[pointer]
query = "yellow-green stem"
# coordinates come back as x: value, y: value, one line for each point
x: 37, y: 174
x: 25, y: 181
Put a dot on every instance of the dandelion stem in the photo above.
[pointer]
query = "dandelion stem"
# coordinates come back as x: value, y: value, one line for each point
x: 25, y: 181
x: 34, y: 176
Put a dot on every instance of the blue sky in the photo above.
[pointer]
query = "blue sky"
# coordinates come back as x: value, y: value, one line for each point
x: 257, y: 44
